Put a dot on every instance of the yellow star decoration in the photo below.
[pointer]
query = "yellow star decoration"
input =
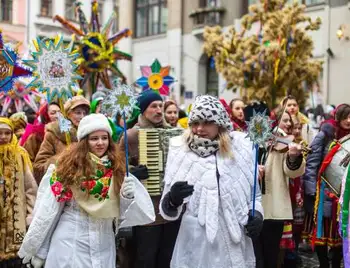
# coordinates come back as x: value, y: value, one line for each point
x: 123, y: 100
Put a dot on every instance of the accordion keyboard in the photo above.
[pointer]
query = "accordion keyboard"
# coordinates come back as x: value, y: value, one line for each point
x: 151, y: 155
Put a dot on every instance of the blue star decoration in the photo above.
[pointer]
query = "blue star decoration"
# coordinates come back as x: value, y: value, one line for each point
x: 54, y: 69
x: 64, y: 124
x: 10, y: 68
x: 259, y: 129
x: 121, y: 99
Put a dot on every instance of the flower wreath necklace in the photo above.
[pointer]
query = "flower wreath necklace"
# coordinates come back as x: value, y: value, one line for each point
x: 97, y: 186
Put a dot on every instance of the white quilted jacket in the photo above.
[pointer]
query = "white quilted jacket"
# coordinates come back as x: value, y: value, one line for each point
x: 212, y: 230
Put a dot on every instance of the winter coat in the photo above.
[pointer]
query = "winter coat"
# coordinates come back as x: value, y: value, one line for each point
x: 212, y: 232
x: 32, y: 145
x: 319, y: 147
x: 133, y: 143
x: 54, y: 143
x: 65, y: 235
x: 276, y: 200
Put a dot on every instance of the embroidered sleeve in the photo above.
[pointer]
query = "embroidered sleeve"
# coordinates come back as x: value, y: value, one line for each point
x: 60, y: 192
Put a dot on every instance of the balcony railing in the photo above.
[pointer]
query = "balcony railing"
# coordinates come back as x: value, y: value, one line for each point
x: 207, y: 16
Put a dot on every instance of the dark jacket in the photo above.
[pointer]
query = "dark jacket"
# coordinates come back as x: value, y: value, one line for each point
x: 133, y: 145
x: 319, y: 147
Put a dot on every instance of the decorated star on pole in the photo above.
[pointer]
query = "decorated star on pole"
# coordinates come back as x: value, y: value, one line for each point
x: 97, y: 46
x: 64, y: 124
x: 54, y: 69
x: 120, y: 100
x: 10, y: 67
x: 20, y: 95
x: 156, y: 77
x: 259, y: 129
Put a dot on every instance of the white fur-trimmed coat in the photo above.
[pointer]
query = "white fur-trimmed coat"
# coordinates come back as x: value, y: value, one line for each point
x: 212, y: 232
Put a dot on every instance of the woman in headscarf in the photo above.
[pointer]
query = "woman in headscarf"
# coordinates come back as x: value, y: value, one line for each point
x: 17, y: 195
x: 34, y: 134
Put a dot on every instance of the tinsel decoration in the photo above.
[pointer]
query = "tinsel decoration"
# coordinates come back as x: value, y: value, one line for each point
x: 272, y: 63
x: 96, y: 47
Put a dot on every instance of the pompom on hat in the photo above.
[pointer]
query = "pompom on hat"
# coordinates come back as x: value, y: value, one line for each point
x: 92, y: 123
x: 209, y: 109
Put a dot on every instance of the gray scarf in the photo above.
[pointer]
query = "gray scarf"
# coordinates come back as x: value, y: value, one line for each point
x: 204, y: 147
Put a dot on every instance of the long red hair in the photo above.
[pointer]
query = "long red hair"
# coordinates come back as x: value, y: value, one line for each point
x: 75, y: 166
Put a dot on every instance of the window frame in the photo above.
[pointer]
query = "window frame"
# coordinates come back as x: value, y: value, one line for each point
x: 148, y: 6
x: 49, y: 7
x: 9, y: 14
x: 71, y: 6
x: 303, y: 2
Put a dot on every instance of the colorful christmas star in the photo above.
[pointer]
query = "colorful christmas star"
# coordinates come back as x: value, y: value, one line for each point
x: 156, y: 77
x: 20, y: 95
x: 259, y: 129
x: 10, y: 68
x: 54, y: 69
x: 120, y: 100
x: 97, y: 52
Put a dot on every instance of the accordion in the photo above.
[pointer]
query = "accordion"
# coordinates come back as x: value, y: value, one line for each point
x: 153, y: 152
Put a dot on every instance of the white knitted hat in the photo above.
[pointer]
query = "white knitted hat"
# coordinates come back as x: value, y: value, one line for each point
x: 91, y: 123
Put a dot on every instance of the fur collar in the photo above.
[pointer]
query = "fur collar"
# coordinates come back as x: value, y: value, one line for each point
x: 55, y: 130
x: 143, y: 122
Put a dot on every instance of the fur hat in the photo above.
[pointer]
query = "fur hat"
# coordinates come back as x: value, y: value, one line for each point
x: 209, y: 109
x: 75, y: 102
x: 146, y: 98
x: 91, y: 123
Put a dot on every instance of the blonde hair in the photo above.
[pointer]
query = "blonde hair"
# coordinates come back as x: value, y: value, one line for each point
x: 225, y: 142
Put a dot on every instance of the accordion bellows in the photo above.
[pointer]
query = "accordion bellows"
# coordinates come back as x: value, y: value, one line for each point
x: 153, y: 152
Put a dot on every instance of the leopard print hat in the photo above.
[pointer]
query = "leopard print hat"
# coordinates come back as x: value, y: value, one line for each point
x: 209, y: 109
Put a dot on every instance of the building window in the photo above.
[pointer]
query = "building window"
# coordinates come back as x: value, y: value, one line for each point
x: 304, y: 2
x: 70, y: 10
x: 212, y: 78
x: 208, y: 3
x: 6, y: 10
x: 46, y: 8
x: 151, y: 17
x: 115, y: 27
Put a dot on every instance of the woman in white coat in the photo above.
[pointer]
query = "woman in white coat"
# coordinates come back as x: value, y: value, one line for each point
x: 79, y: 198
x: 209, y: 178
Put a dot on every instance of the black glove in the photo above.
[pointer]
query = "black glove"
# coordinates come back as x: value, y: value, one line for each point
x: 309, y: 203
x: 179, y: 191
x: 140, y: 172
x: 255, y: 224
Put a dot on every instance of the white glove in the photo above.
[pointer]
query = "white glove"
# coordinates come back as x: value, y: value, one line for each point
x: 37, y: 262
x: 128, y: 187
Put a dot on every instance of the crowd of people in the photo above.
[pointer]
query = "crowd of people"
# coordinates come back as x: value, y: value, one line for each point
x: 67, y: 199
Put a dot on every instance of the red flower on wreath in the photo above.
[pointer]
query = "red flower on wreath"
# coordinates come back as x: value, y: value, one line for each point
x: 104, y: 191
x: 88, y: 184
x: 57, y: 188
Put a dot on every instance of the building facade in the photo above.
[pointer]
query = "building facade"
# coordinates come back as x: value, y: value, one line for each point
x: 41, y: 13
x: 13, y: 22
x: 171, y: 31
